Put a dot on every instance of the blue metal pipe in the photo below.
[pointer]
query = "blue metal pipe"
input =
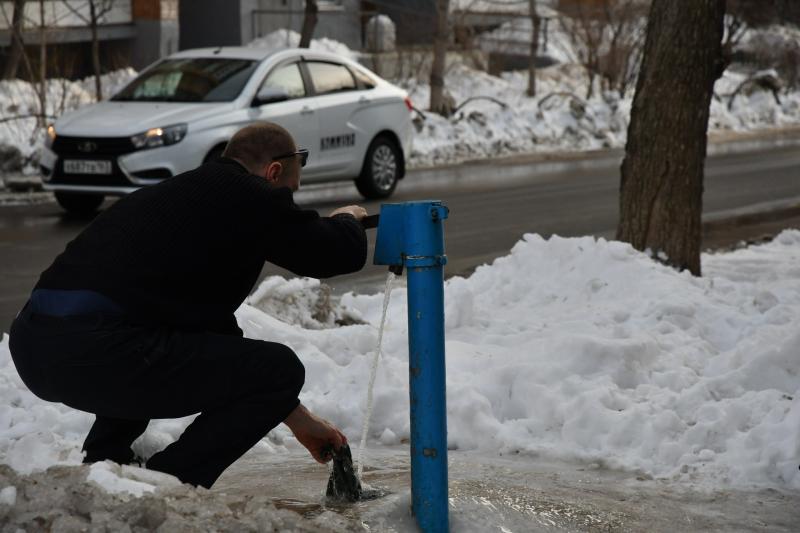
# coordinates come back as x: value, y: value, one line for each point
x: 412, y: 235
x: 427, y: 395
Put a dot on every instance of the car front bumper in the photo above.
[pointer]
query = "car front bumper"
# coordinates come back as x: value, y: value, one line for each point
x: 130, y: 169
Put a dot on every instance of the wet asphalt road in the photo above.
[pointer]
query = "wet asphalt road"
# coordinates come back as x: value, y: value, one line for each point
x: 492, y: 204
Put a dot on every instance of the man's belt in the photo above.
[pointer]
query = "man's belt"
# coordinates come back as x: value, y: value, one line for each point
x: 63, y: 303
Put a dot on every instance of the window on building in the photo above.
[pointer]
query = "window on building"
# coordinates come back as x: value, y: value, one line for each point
x: 330, y: 77
x: 288, y: 78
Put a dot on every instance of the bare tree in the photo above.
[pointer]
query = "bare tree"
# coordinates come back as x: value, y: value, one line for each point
x: 17, y: 45
x: 536, y: 24
x: 42, y: 66
x: 309, y: 23
x: 607, y: 38
x: 97, y: 10
x: 440, y: 39
x: 662, y: 174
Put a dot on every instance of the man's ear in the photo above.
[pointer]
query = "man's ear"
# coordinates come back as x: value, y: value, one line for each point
x: 274, y: 171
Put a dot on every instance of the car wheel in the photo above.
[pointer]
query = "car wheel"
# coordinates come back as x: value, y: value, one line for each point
x: 381, y: 169
x: 214, y: 154
x: 79, y: 203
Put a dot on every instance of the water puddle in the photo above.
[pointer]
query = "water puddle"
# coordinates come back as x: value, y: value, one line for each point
x: 489, y: 493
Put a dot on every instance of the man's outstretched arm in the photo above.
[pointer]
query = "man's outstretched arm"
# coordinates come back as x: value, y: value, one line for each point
x: 321, y: 247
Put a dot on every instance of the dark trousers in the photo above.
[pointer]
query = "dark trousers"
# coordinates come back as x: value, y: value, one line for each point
x: 128, y: 374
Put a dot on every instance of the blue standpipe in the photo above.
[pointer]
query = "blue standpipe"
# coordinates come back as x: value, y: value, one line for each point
x: 411, y: 235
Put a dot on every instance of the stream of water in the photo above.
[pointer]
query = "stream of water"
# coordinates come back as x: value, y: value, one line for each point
x: 373, y: 373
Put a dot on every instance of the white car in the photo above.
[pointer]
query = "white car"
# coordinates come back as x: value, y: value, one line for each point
x: 181, y: 111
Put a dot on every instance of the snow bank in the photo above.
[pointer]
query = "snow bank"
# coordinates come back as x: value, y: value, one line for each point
x: 483, y: 128
x: 576, y: 349
x: 567, y: 123
x: 20, y: 136
x: 554, y: 121
x: 107, y: 497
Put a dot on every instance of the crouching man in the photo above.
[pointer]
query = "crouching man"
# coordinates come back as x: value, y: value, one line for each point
x: 134, y: 320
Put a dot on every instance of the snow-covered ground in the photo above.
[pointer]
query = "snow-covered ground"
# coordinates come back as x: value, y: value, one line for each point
x: 21, y: 137
x: 576, y: 349
x: 550, y: 122
x: 554, y: 122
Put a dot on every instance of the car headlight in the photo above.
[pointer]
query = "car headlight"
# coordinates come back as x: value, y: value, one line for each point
x: 155, y: 137
x: 51, y: 136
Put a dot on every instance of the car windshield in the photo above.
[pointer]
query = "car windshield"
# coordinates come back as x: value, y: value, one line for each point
x: 193, y: 79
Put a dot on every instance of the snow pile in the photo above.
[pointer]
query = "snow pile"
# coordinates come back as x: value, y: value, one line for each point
x: 484, y: 128
x: 559, y: 118
x: 576, y: 349
x: 588, y: 350
x: 282, y: 39
x: 20, y: 136
x: 107, y: 497
x: 302, y: 301
x: 122, y: 479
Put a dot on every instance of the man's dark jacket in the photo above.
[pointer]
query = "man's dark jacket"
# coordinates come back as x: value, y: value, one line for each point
x: 187, y: 252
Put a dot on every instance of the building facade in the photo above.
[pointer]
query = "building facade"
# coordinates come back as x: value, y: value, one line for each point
x: 131, y: 33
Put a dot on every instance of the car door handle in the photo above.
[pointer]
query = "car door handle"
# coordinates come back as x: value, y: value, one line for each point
x: 306, y: 110
x: 364, y: 100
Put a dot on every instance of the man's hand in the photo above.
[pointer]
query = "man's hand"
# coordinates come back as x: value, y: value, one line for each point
x: 314, y: 433
x: 355, y: 210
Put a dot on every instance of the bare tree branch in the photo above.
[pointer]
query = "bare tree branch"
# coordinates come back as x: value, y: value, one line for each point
x: 97, y: 10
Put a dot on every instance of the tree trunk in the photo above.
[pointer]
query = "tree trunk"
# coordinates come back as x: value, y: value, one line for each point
x: 440, y: 39
x: 17, y: 46
x: 42, y: 67
x: 535, y: 26
x: 309, y: 23
x: 661, y: 190
x: 98, y: 87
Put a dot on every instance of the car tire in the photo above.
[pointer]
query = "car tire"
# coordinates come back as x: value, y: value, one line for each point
x: 381, y: 170
x: 214, y: 154
x: 81, y: 204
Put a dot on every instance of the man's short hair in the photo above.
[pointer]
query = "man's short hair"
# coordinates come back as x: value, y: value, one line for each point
x: 257, y: 144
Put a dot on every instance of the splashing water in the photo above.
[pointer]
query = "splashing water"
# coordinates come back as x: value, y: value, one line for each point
x: 373, y: 373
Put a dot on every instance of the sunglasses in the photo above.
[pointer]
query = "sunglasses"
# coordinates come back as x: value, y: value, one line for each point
x: 303, y: 153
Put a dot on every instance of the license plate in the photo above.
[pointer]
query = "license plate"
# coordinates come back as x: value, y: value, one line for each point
x: 86, y: 166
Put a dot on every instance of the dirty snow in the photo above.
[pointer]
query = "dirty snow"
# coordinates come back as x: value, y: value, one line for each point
x: 8, y: 496
x: 69, y: 498
x: 576, y: 349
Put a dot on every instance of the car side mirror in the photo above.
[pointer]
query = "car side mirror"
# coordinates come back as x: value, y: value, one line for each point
x: 269, y: 95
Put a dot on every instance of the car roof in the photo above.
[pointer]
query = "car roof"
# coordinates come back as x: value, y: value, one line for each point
x: 257, y: 54
x: 232, y: 52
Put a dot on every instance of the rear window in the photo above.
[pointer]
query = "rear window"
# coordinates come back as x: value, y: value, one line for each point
x: 195, y: 79
x: 364, y: 79
x: 330, y: 77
